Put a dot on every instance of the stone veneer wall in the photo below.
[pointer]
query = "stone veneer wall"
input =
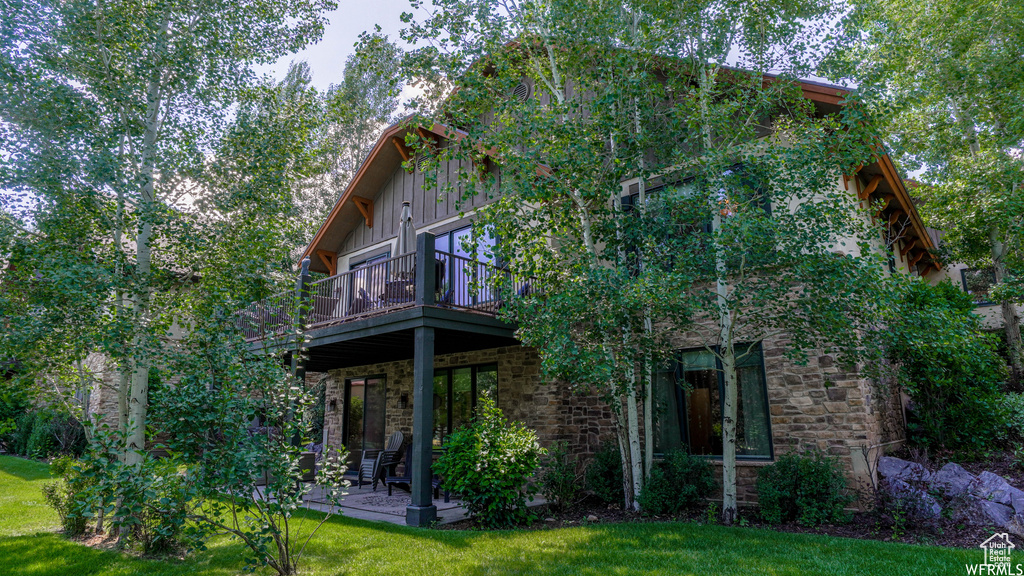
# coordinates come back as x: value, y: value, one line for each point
x: 819, y: 406
x: 813, y: 406
x: 543, y: 406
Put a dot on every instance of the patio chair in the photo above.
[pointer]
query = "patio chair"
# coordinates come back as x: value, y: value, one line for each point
x: 404, y: 481
x: 372, y: 467
x: 361, y: 304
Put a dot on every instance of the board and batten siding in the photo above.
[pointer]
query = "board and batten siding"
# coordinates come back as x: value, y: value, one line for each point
x: 428, y: 206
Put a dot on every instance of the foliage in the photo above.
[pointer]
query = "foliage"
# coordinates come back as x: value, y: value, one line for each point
x: 14, y: 402
x: 943, y: 84
x: 561, y: 482
x: 67, y: 494
x: 1014, y: 406
x: 704, y: 241
x: 55, y: 432
x: 809, y: 489
x: 948, y: 366
x: 369, y: 548
x: 604, y: 474
x: 489, y: 463
x: 22, y: 432
x: 679, y: 482
x: 901, y: 506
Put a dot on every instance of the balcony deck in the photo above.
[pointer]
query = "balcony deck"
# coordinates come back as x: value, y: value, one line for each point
x: 368, y: 315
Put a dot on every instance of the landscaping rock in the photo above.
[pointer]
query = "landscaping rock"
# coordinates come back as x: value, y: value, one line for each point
x: 549, y: 519
x: 1017, y: 500
x: 918, y: 503
x: 952, y: 480
x: 973, y: 510
x: 591, y: 518
x: 897, y: 469
x: 992, y: 487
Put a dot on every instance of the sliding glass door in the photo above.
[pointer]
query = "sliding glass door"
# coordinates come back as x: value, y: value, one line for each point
x: 363, y: 426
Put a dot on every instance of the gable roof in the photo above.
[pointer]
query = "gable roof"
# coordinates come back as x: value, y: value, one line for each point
x: 390, y: 151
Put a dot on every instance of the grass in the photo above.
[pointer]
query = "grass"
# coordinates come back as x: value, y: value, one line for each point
x: 29, y: 545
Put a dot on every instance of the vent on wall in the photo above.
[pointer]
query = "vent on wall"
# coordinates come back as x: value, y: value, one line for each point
x: 521, y: 92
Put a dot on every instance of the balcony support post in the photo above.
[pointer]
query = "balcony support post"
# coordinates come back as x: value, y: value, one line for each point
x: 426, y: 270
x: 422, y: 512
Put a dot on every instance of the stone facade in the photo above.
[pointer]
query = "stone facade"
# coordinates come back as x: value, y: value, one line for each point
x: 523, y: 396
x: 812, y: 406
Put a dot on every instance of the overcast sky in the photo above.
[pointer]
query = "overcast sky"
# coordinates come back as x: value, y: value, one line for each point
x: 327, y: 57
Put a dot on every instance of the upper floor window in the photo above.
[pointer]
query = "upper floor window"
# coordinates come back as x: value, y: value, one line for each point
x: 978, y: 282
x: 688, y: 399
x: 458, y: 242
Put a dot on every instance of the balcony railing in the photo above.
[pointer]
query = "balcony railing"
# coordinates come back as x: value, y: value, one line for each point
x: 382, y: 287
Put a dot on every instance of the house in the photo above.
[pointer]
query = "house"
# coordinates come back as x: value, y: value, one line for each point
x: 408, y: 343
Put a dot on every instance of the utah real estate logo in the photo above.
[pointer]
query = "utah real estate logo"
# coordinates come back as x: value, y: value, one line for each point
x: 997, y: 558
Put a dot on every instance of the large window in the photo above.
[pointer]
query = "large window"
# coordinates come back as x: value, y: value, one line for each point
x: 363, y: 426
x: 456, y: 391
x: 463, y: 283
x: 688, y: 406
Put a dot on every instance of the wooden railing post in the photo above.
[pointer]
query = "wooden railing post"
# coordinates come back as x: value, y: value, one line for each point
x: 426, y: 270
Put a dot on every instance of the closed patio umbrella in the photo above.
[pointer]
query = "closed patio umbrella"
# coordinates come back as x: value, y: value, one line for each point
x: 406, y: 241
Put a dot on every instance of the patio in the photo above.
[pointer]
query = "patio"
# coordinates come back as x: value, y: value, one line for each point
x: 365, y: 504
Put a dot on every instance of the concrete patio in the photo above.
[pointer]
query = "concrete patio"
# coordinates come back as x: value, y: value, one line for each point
x: 365, y: 504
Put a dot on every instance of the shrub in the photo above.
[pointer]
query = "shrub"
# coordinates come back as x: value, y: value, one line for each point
x: 678, y: 482
x: 604, y: 475
x: 41, y: 442
x: 561, y: 482
x: 67, y: 495
x: 809, y: 489
x: 22, y: 433
x: 949, y: 367
x: 55, y: 433
x: 13, y: 404
x: 488, y: 463
x: 1014, y: 404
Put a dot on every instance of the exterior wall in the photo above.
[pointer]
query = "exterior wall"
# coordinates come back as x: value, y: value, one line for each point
x: 813, y: 406
x: 546, y: 407
x: 991, y: 314
x: 430, y: 207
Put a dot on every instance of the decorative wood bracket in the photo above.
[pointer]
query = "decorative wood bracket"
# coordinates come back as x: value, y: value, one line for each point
x: 365, y: 208
x: 871, y: 187
x: 895, y: 215
x: 402, y: 149
x: 916, y: 258
x: 330, y: 260
x: 908, y: 245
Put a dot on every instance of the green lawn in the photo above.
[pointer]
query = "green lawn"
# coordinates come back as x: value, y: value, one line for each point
x: 30, y: 545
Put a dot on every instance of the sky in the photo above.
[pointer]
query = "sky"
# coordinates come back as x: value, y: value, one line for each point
x: 327, y: 58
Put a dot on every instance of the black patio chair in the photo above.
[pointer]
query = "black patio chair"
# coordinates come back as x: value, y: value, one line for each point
x: 404, y: 481
x: 372, y: 467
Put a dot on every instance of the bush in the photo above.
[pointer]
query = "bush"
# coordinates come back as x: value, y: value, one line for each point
x: 68, y: 494
x: 41, y: 442
x: 54, y: 433
x: 678, y: 482
x: 22, y: 433
x: 604, y: 475
x: 561, y: 482
x: 13, y: 404
x: 948, y: 365
x: 488, y: 463
x: 1014, y: 406
x: 809, y: 489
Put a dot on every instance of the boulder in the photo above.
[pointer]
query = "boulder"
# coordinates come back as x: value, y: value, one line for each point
x: 979, y: 512
x: 992, y: 487
x: 952, y: 480
x: 1017, y: 500
x: 918, y: 503
x: 897, y: 469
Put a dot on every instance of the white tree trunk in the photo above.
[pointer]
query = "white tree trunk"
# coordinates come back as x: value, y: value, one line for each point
x: 729, y: 416
x: 138, y: 400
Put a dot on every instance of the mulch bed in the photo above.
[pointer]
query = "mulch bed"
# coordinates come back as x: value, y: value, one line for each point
x: 864, y: 526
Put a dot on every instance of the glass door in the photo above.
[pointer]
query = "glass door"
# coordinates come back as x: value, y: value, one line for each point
x: 364, y: 416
